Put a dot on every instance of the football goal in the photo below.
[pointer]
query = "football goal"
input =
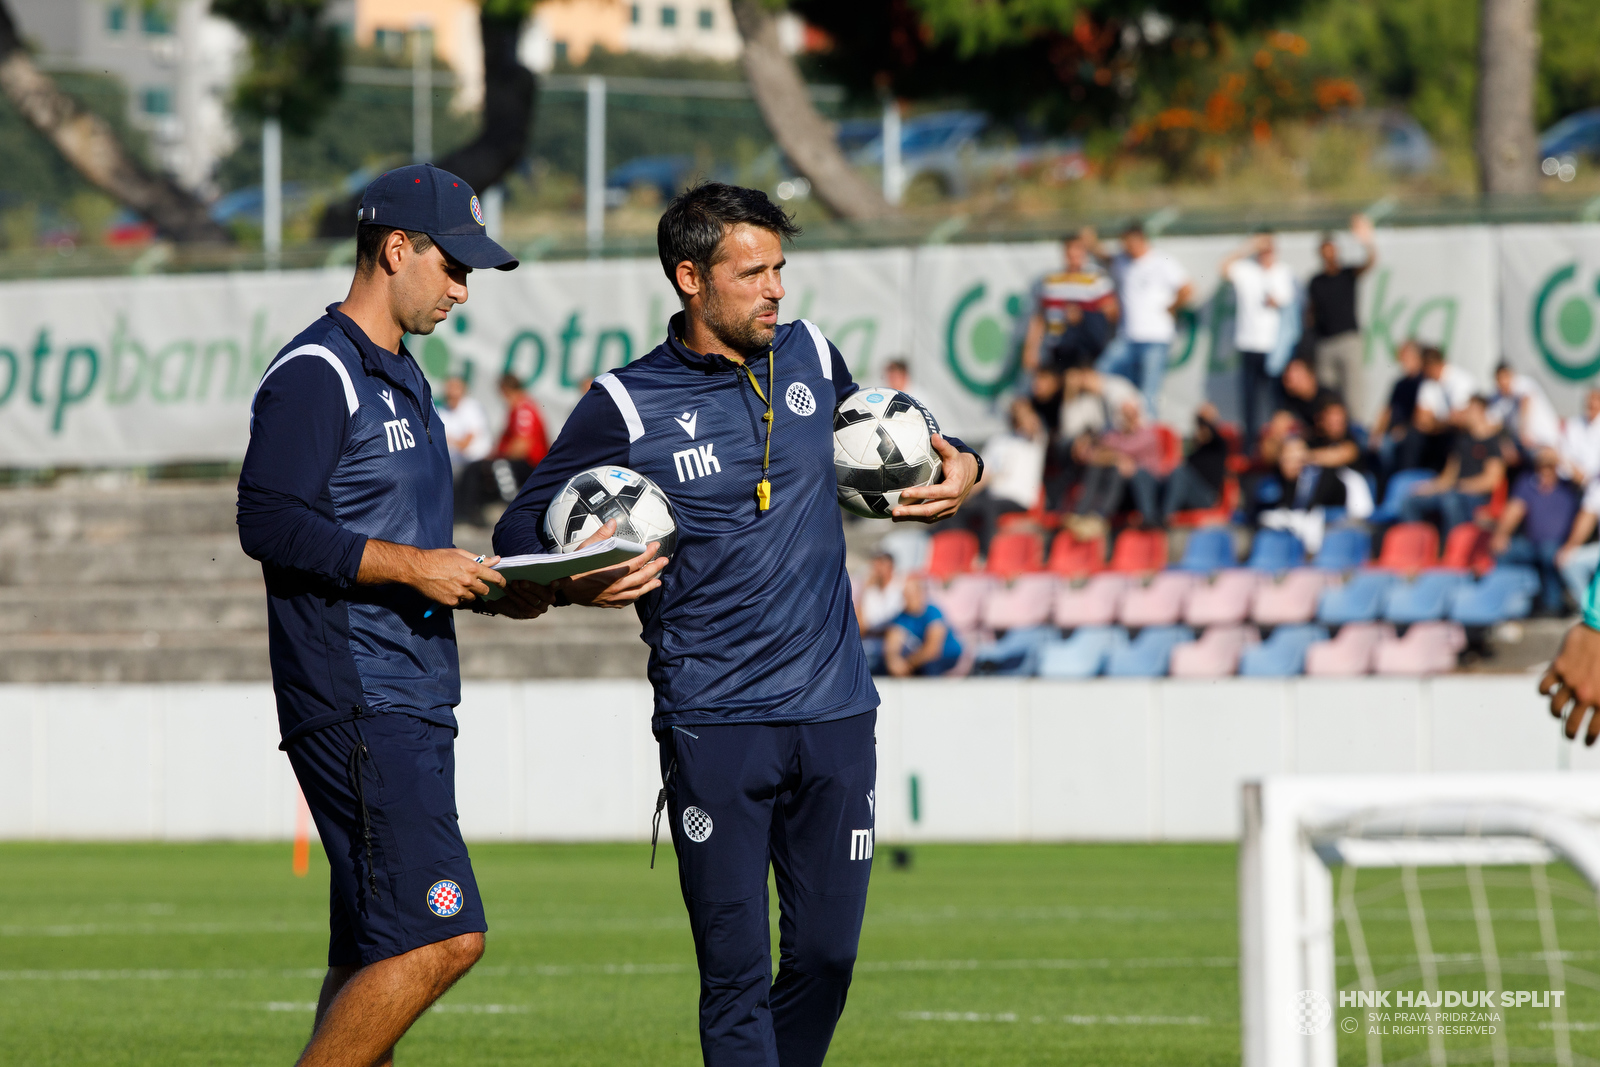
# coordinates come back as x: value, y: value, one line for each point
x: 1427, y: 920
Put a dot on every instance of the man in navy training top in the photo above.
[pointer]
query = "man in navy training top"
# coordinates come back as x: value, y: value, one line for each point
x: 345, y: 498
x: 764, y: 707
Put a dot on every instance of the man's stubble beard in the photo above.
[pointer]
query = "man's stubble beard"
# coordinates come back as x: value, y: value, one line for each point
x: 744, y: 335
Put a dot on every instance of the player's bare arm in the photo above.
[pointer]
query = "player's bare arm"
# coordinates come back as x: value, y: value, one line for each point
x: 1573, y: 682
x: 943, y: 500
x: 449, y: 576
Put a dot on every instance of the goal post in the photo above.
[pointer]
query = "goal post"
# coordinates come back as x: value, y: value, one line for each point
x: 1297, y: 829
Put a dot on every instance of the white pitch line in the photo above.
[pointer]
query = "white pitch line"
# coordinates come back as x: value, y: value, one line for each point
x: 160, y: 929
x: 1106, y: 963
x: 309, y: 1006
x: 150, y: 974
x: 1070, y: 1020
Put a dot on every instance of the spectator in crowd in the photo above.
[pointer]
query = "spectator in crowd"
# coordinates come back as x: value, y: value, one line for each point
x: 1536, y: 523
x: 1580, y: 461
x: 1395, y: 438
x: 919, y: 641
x: 1520, y: 407
x: 1296, y: 494
x: 1303, y: 396
x: 1089, y: 402
x: 1331, y: 318
x: 1442, y: 401
x: 897, y: 375
x: 521, y: 447
x: 879, y: 600
x: 1125, y: 459
x: 1580, y: 443
x: 1013, y: 474
x: 1579, y: 558
x: 1198, y: 480
x: 1262, y: 288
x: 466, y: 427
x: 1151, y: 288
x: 1331, y: 444
x: 1475, y: 469
x: 1074, y: 312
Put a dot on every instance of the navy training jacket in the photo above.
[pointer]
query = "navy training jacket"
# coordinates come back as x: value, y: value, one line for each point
x: 344, y: 447
x: 754, y: 621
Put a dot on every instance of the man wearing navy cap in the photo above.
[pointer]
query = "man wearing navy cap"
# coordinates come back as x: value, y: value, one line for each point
x: 345, y: 498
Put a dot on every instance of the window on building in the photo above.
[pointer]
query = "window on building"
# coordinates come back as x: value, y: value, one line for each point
x: 669, y: 16
x: 633, y: 14
x: 705, y: 18
x: 390, y: 41
x: 561, y: 51
x: 155, y: 19
x: 156, y: 100
x: 116, y: 18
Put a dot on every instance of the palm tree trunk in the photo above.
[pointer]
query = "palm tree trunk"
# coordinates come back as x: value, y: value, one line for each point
x: 1508, y: 65
x: 803, y: 134
x: 91, y: 146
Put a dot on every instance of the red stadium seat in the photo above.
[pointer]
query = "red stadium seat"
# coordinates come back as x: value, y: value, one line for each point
x: 1171, y: 447
x: 1139, y: 551
x: 1496, y: 506
x: 1011, y: 554
x: 1409, y: 547
x: 1217, y: 515
x: 951, y: 552
x: 1072, y: 558
x: 1467, y: 549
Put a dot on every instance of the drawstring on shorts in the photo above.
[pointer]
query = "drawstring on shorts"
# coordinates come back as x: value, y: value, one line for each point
x: 357, y: 754
x: 661, y: 803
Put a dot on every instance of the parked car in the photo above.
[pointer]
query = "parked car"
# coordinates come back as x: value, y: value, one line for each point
x: 667, y: 175
x: 1574, y: 138
x: 1404, y: 147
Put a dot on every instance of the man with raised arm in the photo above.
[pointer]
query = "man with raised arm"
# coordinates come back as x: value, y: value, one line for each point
x: 764, y: 707
x: 345, y: 498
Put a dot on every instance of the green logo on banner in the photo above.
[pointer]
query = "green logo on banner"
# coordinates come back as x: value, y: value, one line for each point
x: 1564, y: 325
x: 978, y: 346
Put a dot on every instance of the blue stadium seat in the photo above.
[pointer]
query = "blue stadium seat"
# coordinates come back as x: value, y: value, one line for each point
x: 1504, y: 593
x: 1424, y: 599
x: 1209, y: 548
x: 1276, y: 550
x: 1344, y: 549
x: 1149, y: 653
x: 1083, y: 655
x: 1358, y: 600
x: 1283, y: 654
x: 1017, y: 653
x: 1401, y: 485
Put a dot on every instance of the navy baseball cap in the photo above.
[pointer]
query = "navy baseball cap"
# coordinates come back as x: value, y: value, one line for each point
x: 428, y: 200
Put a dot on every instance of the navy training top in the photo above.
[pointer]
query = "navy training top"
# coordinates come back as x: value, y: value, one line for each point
x: 343, y: 449
x: 754, y: 620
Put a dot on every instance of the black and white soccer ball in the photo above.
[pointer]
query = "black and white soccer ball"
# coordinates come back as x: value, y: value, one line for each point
x: 591, y: 499
x: 882, y: 443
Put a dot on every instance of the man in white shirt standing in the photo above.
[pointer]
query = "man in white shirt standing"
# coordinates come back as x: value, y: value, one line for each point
x: 1151, y: 288
x: 1262, y: 288
x: 466, y: 427
x: 1445, y: 392
x: 1013, y: 474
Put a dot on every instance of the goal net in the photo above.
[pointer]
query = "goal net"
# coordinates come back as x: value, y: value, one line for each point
x: 1424, y: 920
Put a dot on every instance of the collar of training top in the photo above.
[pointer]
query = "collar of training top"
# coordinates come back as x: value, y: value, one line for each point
x: 710, y: 361
x: 374, y: 360
x: 428, y: 200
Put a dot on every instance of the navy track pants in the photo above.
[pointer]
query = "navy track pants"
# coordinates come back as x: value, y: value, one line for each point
x: 800, y: 797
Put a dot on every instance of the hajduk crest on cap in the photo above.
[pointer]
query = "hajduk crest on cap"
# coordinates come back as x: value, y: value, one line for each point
x: 422, y: 198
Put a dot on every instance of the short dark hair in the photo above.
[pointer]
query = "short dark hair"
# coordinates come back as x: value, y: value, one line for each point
x: 1503, y: 366
x: 511, y: 382
x: 695, y: 222
x: 369, y: 243
x: 898, y: 364
x: 1432, y: 354
x: 1134, y: 227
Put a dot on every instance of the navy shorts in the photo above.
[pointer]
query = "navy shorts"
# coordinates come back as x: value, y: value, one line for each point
x: 382, y: 790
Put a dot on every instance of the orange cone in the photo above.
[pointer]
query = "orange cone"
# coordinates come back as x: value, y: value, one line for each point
x: 302, y: 836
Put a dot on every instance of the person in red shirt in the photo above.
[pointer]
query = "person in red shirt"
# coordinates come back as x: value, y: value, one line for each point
x: 522, y: 445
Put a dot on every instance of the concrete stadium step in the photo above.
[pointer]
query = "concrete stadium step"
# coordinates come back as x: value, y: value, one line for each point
x: 195, y: 560
x: 104, y: 608
x: 90, y: 514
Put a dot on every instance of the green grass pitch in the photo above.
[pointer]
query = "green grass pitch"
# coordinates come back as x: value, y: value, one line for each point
x: 1113, y: 955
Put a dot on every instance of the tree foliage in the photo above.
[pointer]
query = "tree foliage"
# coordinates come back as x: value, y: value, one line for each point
x: 296, y: 60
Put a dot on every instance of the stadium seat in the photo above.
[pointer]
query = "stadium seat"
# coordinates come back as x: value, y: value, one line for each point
x: 1426, y: 648
x: 1219, y: 514
x: 1215, y: 655
x: 1275, y: 550
x: 1083, y: 655
x: 1350, y: 652
x: 1208, y: 550
x: 1017, y: 653
x: 1467, y: 549
x: 962, y: 600
x: 1160, y: 603
x: 1225, y: 601
x: 1027, y: 602
x: 1148, y: 654
x: 1139, y: 551
x: 1426, y: 597
x: 1072, y: 558
x: 1401, y: 485
x: 951, y: 552
x: 1292, y: 599
x: 909, y: 549
x: 1092, y: 604
x: 1344, y: 548
x: 1409, y: 547
x: 1011, y: 554
x: 1360, y: 599
x: 1282, y: 655
x: 1506, y: 592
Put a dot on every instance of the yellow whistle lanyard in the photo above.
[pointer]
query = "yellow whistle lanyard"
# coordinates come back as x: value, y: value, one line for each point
x: 764, y: 487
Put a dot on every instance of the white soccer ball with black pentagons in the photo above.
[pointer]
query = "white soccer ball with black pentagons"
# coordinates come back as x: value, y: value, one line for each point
x: 590, y: 500
x: 882, y: 444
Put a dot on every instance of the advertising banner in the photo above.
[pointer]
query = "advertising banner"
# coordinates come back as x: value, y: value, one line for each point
x: 1550, y: 307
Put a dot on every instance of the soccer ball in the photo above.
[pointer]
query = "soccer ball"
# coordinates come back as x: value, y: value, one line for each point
x: 591, y: 499
x: 882, y: 443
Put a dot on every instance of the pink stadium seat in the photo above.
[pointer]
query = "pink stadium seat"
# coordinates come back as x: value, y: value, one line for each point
x: 1072, y: 558
x: 1225, y: 601
x: 1027, y: 602
x: 1351, y: 652
x: 1161, y: 602
x: 1011, y: 554
x: 951, y: 552
x: 1215, y: 655
x: 1427, y: 648
x: 1409, y: 547
x: 1292, y: 600
x: 1092, y: 604
x: 962, y: 600
x: 1139, y: 551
